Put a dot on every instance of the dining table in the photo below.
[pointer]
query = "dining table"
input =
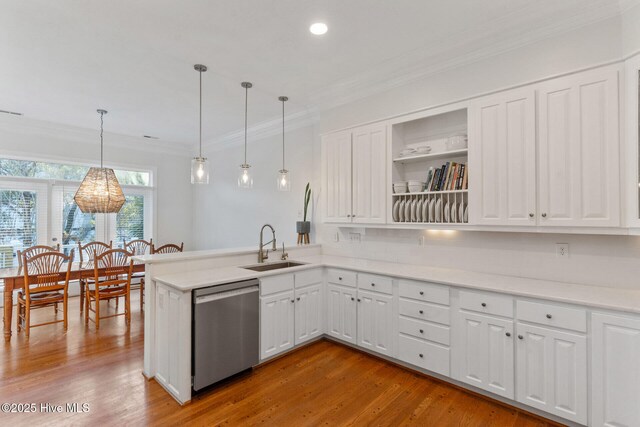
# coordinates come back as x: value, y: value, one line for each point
x: 13, y: 278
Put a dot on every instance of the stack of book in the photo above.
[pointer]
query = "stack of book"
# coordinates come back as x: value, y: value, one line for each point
x: 451, y: 176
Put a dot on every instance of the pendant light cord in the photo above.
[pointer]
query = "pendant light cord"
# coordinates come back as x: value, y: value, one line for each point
x: 246, y: 103
x: 200, y: 134
x: 101, y: 140
x: 283, y: 134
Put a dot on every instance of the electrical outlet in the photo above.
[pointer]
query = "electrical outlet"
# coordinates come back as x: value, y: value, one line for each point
x: 336, y: 237
x: 421, y: 241
x: 562, y: 250
x: 354, y: 237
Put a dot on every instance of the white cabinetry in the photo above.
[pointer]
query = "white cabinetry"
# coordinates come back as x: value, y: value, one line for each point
x: 484, y: 353
x: 579, y: 181
x: 615, y: 371
x: 375, y: 322
x: 276, y: 323
x: 308, y: 313
x: 341, y: 312
x: 552, y: 371
x: 355, y: 175
x: 502, y: 152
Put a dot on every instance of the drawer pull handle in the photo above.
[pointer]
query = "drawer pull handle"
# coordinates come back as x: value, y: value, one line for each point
x: 484, y: 304
x: 508, y: 334
x: 339, y: 278
x: 352, y: 298
x: 549, y: 316
x: 421, y: 331
x: 373, y: 284
x: 421, y: 355
x: 298, y: 299
x: 421, y: 312
x: 421, y: 292
x: 531, y: 215
x: 544, y: 215
x: 520, y: 337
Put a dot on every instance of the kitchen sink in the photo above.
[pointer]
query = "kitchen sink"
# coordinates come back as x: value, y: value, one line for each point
x: 273, y: 266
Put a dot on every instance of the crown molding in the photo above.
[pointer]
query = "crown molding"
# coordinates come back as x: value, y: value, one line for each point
x: 264, y: 129
x: 27, y: 126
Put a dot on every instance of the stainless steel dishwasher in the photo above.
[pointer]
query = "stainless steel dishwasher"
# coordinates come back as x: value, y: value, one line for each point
x: 225, y: 331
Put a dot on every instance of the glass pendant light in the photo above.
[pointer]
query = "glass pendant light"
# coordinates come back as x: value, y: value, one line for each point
x: 284, y: 179
x: 244, y: 179
x: 100, y: 190
x: 200, y: 165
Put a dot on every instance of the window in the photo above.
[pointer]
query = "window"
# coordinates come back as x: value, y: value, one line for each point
x: 76, y: 226
x: 130, y: 219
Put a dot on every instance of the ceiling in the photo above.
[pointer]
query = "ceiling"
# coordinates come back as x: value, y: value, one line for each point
x: 61, y: 60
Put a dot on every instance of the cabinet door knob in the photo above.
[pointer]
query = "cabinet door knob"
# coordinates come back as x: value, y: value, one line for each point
x: 421, y: 331
x: 298, y: 299
x: 339, y: 278
x: 293, y: 301
x: 421, y: 292
x: 373, y: 284
x: 359, y: 300
x: 352, y: 298
x: 549, y: 316
x: 484, y: 304
x: 421, y: 312
x: 348, y: 216
x: 544, y: 215
x: 520, y: 337
x: 508, y: 334
x: 531, y: 215
x: 421, y: 355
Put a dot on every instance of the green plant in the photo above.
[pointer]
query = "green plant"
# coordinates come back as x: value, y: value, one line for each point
x: 307, y: 198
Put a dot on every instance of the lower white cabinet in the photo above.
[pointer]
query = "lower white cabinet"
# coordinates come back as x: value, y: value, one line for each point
x: 342, y: 312
x: 308, y: 313
x: 485, y: 353
x: 375, y: 322
x: 276, y: 323
x: 615, y: 371
x: 551, y: 371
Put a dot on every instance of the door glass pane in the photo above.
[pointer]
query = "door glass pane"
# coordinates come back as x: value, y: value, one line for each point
x: 18, y: 219
x: 76, y: 226
x: 130, y: 220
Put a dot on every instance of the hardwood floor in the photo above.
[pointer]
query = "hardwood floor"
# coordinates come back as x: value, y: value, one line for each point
x: 321, y: 384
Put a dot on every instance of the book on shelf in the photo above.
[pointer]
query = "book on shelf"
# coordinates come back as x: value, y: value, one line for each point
x: 451, y: 176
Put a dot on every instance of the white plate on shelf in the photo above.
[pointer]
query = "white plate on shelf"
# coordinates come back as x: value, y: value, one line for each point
x: 438, y: 210
x: 432, y: 210
x: 407, y: 211
x: 446, y: 212
x: 425, y: 210
x: 401, y: 211
x: 454, y: 212
x: 395, y: 213
x: 414, y: 211
x: 465, y: 218
x: 461, y: 212
x: 419, y: 217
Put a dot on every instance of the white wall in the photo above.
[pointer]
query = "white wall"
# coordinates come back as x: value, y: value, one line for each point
x: 226, y: 216
x: 173, y: 194
x: 597, y: 260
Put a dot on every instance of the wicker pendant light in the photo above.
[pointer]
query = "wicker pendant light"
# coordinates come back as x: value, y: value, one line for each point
x: 100, y: 190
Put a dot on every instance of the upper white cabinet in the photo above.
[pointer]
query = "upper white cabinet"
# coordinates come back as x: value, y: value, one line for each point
x: 502, y: 152
x: 632, y: 136
x: 355, y: 168
x: 615, y: 371
x: 337, y: 158
x: 579, y: 174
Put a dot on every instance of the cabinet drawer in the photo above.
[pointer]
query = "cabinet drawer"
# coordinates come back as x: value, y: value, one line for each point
x: 341, y: 277
x: 308, y: 277
x: 274, y: 284
x: 432, y: 357
x: 424, y: 311
x: 552, y: 315
x: 424, y: 330
x: 497, y: 305
x: 375, y: 283
x: 424, y: 292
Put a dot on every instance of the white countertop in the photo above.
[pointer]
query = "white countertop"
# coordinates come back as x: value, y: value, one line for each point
x: 594, y: 296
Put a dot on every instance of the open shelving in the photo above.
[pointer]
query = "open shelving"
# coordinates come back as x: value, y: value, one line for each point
x: 431, y: 156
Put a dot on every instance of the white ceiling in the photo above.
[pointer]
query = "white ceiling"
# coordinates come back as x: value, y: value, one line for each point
x: 62, y: 59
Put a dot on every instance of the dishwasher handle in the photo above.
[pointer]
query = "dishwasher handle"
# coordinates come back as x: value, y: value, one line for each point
x: 228, y: 294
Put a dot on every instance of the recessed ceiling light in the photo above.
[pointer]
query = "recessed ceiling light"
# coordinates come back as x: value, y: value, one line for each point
x: 10, y: 112
x: 319, y: 28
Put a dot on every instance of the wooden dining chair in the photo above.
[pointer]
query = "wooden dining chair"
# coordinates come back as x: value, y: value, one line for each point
x: 86, y: 254
x: 113, y: 282
x: 169, y: 248
x: 46, y: 283
x: 138, y: 247
x: 35, y: 250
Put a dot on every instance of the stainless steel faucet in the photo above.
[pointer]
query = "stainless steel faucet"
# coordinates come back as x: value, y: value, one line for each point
x: 265, y: 255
